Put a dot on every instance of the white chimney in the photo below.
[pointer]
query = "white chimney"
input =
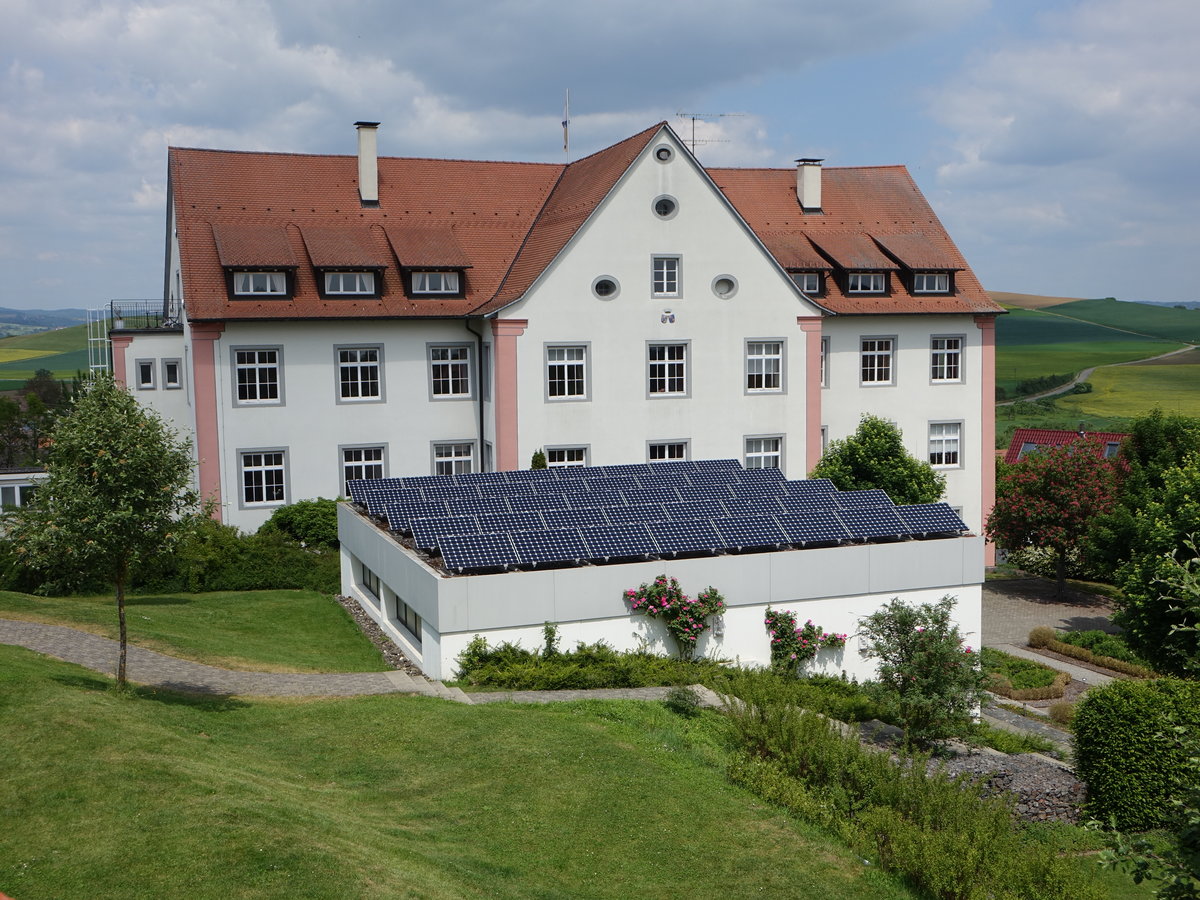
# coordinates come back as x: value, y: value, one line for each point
x: 368, y: 163
x: 808, y: 184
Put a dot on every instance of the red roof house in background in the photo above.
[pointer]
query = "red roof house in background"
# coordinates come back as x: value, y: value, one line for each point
x: 1026, y: 440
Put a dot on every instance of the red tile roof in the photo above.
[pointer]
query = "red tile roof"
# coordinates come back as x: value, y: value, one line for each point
x: 1048, y: 437
x: 504, y: 223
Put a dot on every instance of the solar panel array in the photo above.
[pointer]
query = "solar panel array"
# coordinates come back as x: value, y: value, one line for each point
x: 535, y: 518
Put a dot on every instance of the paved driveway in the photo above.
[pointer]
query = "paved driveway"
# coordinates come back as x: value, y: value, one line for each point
x: 1013, y: 607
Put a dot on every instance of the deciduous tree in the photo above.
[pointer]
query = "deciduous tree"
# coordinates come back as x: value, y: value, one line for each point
x: 874, y: 457
x: 118, y: 480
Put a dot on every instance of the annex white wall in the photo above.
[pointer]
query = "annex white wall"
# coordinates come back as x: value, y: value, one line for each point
x: 174, y: 404
x: 618, y: 241
x: 913, y: 400
x: 834, y: 587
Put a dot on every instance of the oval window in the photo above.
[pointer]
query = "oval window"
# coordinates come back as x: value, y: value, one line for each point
x: 665, y: 207
x: 605, y: 287
x: 724, y: 286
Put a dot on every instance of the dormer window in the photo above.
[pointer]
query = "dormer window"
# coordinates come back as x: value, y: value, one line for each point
x: 350, y: 284
x: 866, y: 283
x: 435, y: 282
x: 931, y: 283
x: 259, y: 283
x: 809, y: 282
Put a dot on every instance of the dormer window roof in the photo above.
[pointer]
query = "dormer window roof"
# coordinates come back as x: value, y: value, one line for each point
x: 855, y: 252
x: 254, y: 247
x: 427, y: 248
x: 342, y: 247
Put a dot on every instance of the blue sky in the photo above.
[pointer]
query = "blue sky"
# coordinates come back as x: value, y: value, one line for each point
x: 1056, y: 140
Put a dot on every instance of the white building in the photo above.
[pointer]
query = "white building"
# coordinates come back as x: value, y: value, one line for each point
x: 331, y: 317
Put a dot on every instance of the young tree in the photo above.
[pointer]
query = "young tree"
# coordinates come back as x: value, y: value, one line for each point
x: 874, y: 457
x: 118, y: 479
x: 1050, y: 498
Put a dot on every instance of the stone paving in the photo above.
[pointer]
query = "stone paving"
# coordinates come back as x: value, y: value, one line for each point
x: 1013, y: 607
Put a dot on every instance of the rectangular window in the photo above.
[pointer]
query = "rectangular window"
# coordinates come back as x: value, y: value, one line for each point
x: 764, y: 366
x: 866, y: 283
x: 665, y: 276
x: 488, y: 457
x: 809, y: 282
x: 359, y: 373
x: 407, y: 616
x: 566, y: 373
x: 931, y: 283
x: 145, y: 374
x: 566, y: 457
x: 264, y: 478
x: 1111, y: 449
x: 450, y: 369
x: 253, y: 283
x: 764, y: 452
x: 172, y: 374
x: 370, y: 582
x: 14, y: 495
x: 435, y: 282
x: 485, y: 372
x: 360, y: 463
x: 824, y: 362
x: 668, y: 370
x: 945, y: 359
x: 667, y: 450
x: 352, y: 283
x: 876, y: 361
x: 453, y: 459
x: 945, y: 439
x: 256, y: 376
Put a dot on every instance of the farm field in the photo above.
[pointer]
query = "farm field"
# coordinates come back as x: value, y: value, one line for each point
x: 62, y: 351
x: 1163, y: 322
x: 1131, y: 391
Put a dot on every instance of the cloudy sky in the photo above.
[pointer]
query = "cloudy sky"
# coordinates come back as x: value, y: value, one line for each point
x: 1058, y: 141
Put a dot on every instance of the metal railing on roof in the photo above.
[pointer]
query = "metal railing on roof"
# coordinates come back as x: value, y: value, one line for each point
x: 143, y: 314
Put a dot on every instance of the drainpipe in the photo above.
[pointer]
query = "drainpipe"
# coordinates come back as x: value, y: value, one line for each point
x: 479, y: 384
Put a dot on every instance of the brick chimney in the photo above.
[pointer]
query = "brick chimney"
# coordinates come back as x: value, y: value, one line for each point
x: 368, y: 163
x: 808, y: 184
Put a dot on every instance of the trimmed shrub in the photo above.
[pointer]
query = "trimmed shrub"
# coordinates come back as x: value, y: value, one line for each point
x: 1062, y: 713
x: 1106, y: 662
x: 1041, y: 636
x: 1131, y: 772
x: 312, y: 523
x: 1102, y: 643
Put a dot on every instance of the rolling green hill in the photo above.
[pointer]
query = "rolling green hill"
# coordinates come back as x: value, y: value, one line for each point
x: 62, y: 351
x: 1163, y: 322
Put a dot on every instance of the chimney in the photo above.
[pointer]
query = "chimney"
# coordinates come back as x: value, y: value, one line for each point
x: 368, y: 163
x: 808, y: 184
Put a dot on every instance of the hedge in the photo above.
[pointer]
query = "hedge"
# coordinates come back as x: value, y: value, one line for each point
x: 1124, y: 752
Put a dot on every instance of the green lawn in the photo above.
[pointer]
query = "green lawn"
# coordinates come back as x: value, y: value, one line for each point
x: 1159, y: 321
x: 155, y: 795
x: 280, y: 631
x: 1135, y: 390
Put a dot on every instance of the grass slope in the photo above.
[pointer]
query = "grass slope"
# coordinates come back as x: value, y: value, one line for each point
x: 62, y: 351
x: 1131, y: 391
x: 278, y: 631
x: 1163, y: 322
x: 161, y: 796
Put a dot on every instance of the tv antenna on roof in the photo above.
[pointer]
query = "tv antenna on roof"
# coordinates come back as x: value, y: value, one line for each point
x: 694, y: 116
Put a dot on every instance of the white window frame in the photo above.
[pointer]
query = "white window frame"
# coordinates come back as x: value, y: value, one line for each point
x: 866, y: 282
x: 453, y: 457
x: 265, y: 360
x: 761, y: 450
x: 408, y: 619
x: 945, y: 444
x: 144, y: 374
x: 169, y: 383
x: 882, y: 360
x: 270, y: 465
x: 668, y: 451
x: 941, y: 282
x: 765, y: 363
x: 451, y: 372
x: 485, y: 371
x: 666, y: 276
x: 567, y: 457
x: 363, y: 284
x: 669, y: 370
x: 353, y: 368
x: 808, y: 282
x: 567, y: 372
x: 361, y: 461
x: 436, y: 282
x: 824, y: 364
x: 946, y: 358
x: 261, y: 283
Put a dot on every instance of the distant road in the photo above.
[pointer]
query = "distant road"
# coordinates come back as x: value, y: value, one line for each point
x: 1087, y: 373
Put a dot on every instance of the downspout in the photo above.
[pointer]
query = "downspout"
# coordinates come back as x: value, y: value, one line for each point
x: 479, y: 390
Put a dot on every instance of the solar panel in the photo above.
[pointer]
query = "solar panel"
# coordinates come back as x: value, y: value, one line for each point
x: 482, y: 506
x: 547, y: 547
x: 399, y: 515
x: 508, y: 489
x: 378, y: 503
x: 812, y: 503
x: 684, y: 536
x: 514, y: 521
x: 643, y: 512
x: 659, y: 468
x: 574, y: 486
x: 481, y: 478
x: 574, y: 518
x: 752, y: 506
x: 663, y: 494
x: 810, y: 487
x: 427, y: 533
x: 477, y: 552
x: 450, y: 489
x: 595, y: 498
x: 627, y: 541
x: 854, y: 499
x: 813, y: 528
x: 421, y: 481
x: 750, y: 532
x: 537, y: 501
x: 767, y: 473
x: 751, y: 489
x: 718, y: 465
x: 628, y: 469
x: 866, y: 522
x: 694, y: 509
x: 705, y: 491
x: 931, y: 518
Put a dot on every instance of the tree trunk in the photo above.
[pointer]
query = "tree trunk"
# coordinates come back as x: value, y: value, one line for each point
x: 121, y: 620
x: 1060, y: 567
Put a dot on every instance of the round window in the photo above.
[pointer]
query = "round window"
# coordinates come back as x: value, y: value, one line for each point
x: 605, y: 287
x: 724, y: 286
x: 665, y: 207
x: 663, y: 153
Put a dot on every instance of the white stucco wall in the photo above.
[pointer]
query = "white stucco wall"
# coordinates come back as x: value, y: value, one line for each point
x: 834, y: 587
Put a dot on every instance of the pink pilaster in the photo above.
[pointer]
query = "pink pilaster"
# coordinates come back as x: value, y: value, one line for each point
x: 120, y: 343
x: 987, y: 437
x: 208, y: 443
x: 811, y: 326
x: 504, y: 393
